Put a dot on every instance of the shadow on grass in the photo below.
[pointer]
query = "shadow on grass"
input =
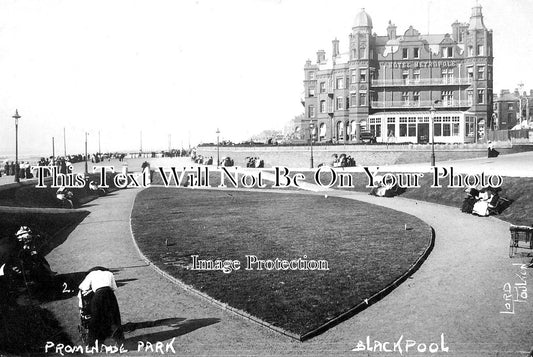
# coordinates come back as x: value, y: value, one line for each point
x: 61, y: 236
x: 180, y: 327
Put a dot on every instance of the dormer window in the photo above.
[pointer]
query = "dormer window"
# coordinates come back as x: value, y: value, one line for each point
x: 480, y: 50
x: 447, y: 52
x: 416, y: 52
x: 405, y: 53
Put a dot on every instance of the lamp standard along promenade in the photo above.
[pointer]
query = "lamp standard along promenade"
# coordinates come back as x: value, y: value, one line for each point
x: 86, y: 169
x: 218, y: 147
x: 17, y: 117
x: 311, y: 129
x: 432, y: 111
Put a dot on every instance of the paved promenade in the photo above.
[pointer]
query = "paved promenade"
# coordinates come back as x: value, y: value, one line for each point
x: 457, y: 292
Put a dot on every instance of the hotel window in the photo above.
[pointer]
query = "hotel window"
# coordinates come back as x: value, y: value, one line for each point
x: 375, y: 127
x: 405, y: 97
x: 347, y: 103
x: 416, y: 75
x: 311, y: 92
x: 354, y: 76
x: 510, y: 106
x: 446, y: 126
x: 391, y: 127
x: 416, y: 52
x: 447, y: 75
x: 354, y: 53
x: 353, y: 98
x: 470, y: 97
x: 403, y: 126
x: 481, y: 96
x: 411, y: 129
x: 362, y: 75
x: 405, y: 54
x: 455, y: 126
x: 416, y: 98
x: 437, y: 127
x: 447, y: 98
x: 322, y: 131
x: 362, y: 51
x: 470, y: 71
x: 470, y: 123
x: 470, y: 51
x: 322, y: 87
x: 322, y: 106
x: 362, y: 99
x: 480, y: 72
x: 339, y: 83
x: 339, y: 103
x: 311, y: 75
x: 480, y: 50
x: 447, y: 52
x: 405, y: 76
x: 489, y: 73
x: 311, y: 111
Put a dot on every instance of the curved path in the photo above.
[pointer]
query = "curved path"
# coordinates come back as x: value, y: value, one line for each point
x: 457, y: 292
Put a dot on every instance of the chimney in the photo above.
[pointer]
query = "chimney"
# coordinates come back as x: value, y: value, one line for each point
x: 320, y: 56
x: 391, y: 31
x: 335, y: 51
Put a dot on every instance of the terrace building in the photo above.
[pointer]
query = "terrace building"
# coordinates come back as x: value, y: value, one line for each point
x: 511, y: 109
x: 388, y: 84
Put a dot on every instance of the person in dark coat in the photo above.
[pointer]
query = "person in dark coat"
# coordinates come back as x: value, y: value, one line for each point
x: 105, y: 318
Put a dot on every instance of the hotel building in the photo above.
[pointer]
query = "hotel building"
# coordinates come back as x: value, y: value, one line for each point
x: 396, y: 85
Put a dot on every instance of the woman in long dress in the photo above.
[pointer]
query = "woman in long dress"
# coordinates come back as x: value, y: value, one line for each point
x: 105, y: 315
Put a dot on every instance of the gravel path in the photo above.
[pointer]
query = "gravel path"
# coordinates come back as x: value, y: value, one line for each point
x: 458, y: 292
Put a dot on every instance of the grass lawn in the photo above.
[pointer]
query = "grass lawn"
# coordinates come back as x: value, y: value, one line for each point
x: 364, y: 251
x: 45, y: 197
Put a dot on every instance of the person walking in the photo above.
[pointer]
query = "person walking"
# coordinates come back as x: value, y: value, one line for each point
x: 104, y: 312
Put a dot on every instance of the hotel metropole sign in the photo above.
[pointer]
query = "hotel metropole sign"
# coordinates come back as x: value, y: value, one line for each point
x: 419, y: 64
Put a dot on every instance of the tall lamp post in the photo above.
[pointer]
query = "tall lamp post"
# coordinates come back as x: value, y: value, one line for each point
x: 218, y: 147
x: 311, y: 129
x: 86, y: 157
x: 432, y: 111
x: 17, y: 117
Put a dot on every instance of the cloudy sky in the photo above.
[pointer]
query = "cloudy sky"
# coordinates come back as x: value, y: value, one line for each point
x: 185, y: 68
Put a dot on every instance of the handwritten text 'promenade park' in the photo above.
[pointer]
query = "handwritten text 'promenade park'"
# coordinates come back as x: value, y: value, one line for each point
x: 280, y: 176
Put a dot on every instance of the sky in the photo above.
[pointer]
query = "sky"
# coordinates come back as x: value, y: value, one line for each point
x: 173, y: 72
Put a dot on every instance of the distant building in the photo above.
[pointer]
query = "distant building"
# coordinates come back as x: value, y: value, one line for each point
x: 510, y: 109
x: 387, y: 85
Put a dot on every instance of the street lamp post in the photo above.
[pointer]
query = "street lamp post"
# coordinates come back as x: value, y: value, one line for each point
x: 17, y: 117
x: 218, y: 147
x: 86, y: 157
x: 311, y: 128
x: 432, y: 111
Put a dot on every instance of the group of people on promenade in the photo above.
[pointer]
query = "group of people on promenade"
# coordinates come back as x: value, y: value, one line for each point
x: 23, y: 168
x: 342, y: 160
